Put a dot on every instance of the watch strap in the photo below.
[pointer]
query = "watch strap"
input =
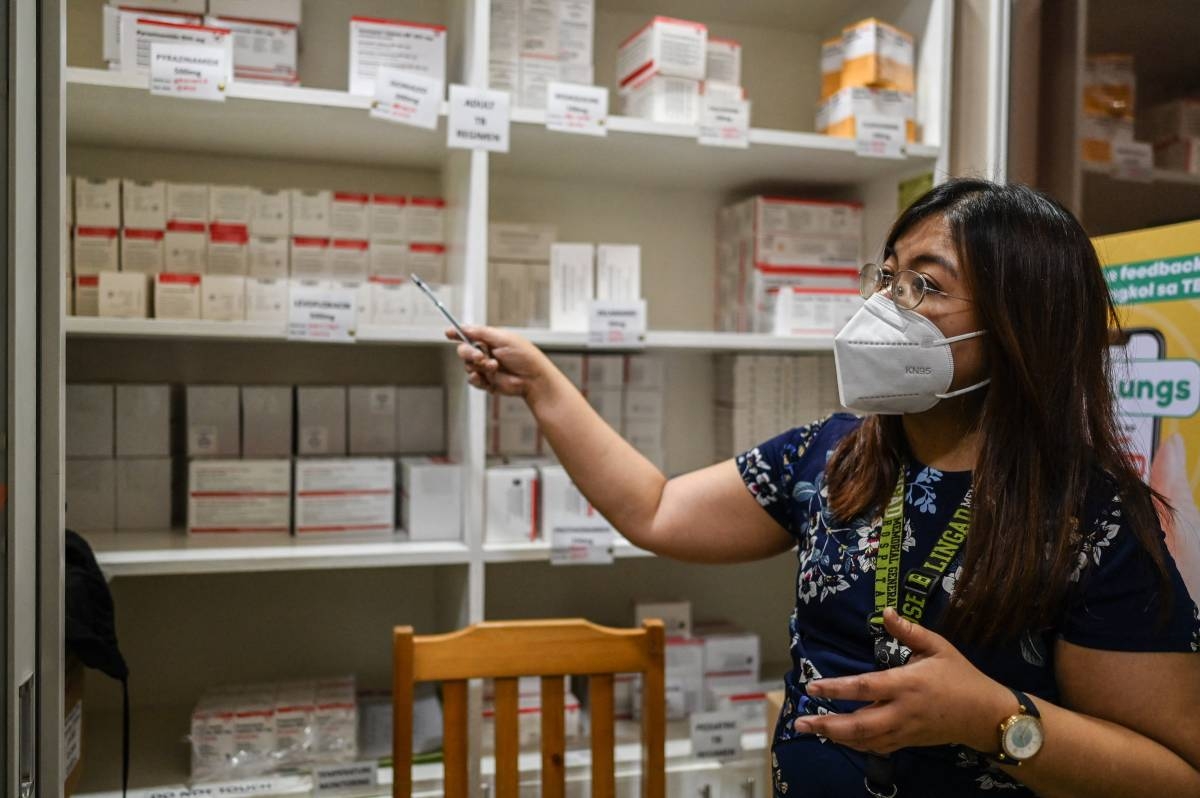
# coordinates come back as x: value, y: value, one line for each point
x: 1027, y: 706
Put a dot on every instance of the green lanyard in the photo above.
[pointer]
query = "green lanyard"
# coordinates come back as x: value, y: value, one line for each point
x: 920, y: 582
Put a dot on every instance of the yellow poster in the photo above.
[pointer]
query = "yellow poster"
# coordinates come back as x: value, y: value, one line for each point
x: 1154, y: 278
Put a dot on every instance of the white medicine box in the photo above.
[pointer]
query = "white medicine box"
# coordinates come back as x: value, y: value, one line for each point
x: 431, y: 498
x: 420, y: 419
x: 345, y: 496
x: 144, y: 493
x: 177, y: 296
x: 91, y: 494
x: 97, y: 202
x: 724, y: 61
x: 372, y: 419
x: 143, y: 414
x: 512, y: 496
x: 665, y: 46
x: 267, y: 300
x: 144, y: 204
x: 187, y: 203
x: 90, y: 420
x: 388, y: 212
x: 223, y: 297
x: 310, y: 257
x: 142, y: 250
x: 675, y: 615
x: 239, y: 497
x: 270, y: 213
x: 266, y: 420
x: 407, y: 46
x: 321, y: 420
x: 232, y: 205
x: 96, y: 250
x: 124, y: 295
x: 213, y: 421
x: 310, y: 212
x: 350, y: 215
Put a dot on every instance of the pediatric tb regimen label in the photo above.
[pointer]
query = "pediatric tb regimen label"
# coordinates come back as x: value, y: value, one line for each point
x: 479, y: 119
x: 195, y: 71
x: 880, y: 136
x: 616, y: 325
x: 724, y: 122
x: 1133, y: 160
x: 716, y: 735
x: 581, y: 545
x: 572, y: 108
x: 407, y: 98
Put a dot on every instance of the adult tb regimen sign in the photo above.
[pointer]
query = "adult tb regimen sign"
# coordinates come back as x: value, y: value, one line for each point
x: 479, y: 119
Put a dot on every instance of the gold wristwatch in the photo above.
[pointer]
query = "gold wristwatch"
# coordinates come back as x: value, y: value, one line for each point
x: 1021, y: 735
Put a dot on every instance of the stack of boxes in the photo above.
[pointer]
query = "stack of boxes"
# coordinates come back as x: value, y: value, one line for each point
x: 529, y: 712
x: 119, y: 466
x: 227, y: 253
x: 527, y: 496
x: 244, y: 731
x: 760, y: 396
x: 1109, y: 91
x: 534, y: 281
x: 788, y: 266
x: 519, y: 274
x: 310, y: 460
x: 709, y: 666
x: 1174, y: 128
x: 626, y: 391
x: 867, y: 71
x: 534, y: 43
x: 265, y: 38
x: 664, y: 67
x: 262, y: 34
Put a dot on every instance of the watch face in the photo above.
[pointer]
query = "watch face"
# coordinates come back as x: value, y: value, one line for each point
x: 1023, y: 738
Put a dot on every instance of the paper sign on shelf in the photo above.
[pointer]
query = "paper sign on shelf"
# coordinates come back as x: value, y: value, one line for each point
x: 617, y: 325
x: 880, y: 136
x: 479, y: 119
x: 1133, y: 160
x: 349, y: 777
x: 574, y: 108
x: 321, y: 310
x: 589, y: 544
x: 716, y: 735
x: 407, y: 98
x: 724, y: 122
x: 195, y: 71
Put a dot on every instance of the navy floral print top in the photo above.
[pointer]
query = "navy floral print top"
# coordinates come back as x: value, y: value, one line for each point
x: 1114, y: 606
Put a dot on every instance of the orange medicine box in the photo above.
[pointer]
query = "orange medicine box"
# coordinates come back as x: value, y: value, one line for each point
x: 838, y: 116
x: 877, y: 54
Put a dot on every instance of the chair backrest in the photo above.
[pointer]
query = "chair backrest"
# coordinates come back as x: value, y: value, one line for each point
x: 506, y: 650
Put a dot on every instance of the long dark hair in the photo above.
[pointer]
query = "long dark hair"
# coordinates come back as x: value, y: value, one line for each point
x: 1047, y: 418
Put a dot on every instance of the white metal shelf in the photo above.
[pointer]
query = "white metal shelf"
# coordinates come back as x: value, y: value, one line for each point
x: 641, y: 153
x: 110, y: 109
x: 539, y: 551
x: 93, y: 327
x: 1161, y: 176
x: 174, y: 552
x: 113, y: 109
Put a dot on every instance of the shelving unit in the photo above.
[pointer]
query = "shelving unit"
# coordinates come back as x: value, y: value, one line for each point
x: 191, y: 612
x: 1058, y: 41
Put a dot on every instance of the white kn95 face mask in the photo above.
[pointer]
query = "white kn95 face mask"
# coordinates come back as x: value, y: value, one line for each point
x: 891, y: 360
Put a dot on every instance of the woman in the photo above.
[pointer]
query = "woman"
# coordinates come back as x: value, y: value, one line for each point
x: 984, y: 495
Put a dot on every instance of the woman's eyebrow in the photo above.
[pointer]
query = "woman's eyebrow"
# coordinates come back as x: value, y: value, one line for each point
x: 937, y: 260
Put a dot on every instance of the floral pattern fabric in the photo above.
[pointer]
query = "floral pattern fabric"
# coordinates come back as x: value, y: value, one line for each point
x: 1110, y: 609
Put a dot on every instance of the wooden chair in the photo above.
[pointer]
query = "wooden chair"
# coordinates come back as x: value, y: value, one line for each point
x: 551, y: 649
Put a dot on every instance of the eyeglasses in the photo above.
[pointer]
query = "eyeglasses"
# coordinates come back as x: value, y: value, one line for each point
x: 908, y: 287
